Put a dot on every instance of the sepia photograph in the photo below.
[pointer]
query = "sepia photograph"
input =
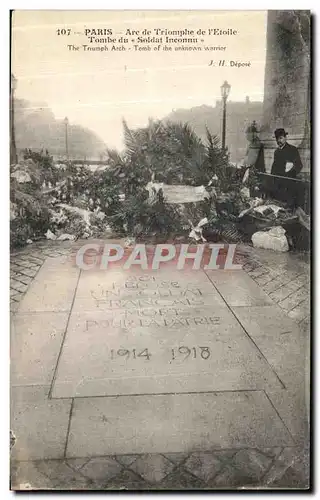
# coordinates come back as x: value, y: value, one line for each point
x: 160, y: 248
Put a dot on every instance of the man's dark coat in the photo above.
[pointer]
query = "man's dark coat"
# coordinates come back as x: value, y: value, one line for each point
x: 288, y: 153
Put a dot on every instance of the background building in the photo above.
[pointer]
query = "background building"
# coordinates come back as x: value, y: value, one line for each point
x: 239, y: 116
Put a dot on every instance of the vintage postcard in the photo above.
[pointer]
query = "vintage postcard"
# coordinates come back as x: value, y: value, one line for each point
x: 160, y: 250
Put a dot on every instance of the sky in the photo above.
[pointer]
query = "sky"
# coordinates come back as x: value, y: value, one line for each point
x: 97, y: 89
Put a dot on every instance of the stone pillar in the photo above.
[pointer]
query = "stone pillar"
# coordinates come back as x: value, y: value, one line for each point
x: 287, y: 83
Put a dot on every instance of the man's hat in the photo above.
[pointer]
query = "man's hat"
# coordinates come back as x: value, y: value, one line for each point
x: 280, y: 132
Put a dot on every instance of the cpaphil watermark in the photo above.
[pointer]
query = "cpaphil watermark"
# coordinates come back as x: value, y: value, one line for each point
x: 97, y: 256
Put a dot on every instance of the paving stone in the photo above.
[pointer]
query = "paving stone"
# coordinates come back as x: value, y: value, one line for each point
x: 153, y: 468
x: 231, y: 477
x: 240, y: 419
x: 238, y: 288
x: 62, y: 476
x: 26, y: 280
x: 248, y: 268
x: 53, y: 254
x: 127, y: 459
x: 29, y: 254
x: 18, y: 286
x: 246, y: 469
x: 233, y: 362
x: 302, y: 311
x: 51, y: 290
x: 294, y: 299
x: 289, y: 458
x: 21, y: 263
x: 285, y: 272
x: 278, y: 338
x: 133, y: 319
x: 21, y: 275
x: 292, y: 407
x: 29, y: 264
x: 271, y: 452
x: 14, y: 306
x: 203, y: 465
x: 297, y: 475
x: 29, y: 393
x: 281, y: 293
x: 273, y: 285
x: 58, y: 263
x: 16, y: 298
x: 259, y: 271
x: 251, y: 463
x: 77, y: 463
x: 32, y: 267
x: 293, y: 271
x: 255, y: 270
x: 225, y: 456
x: 15, y: 269
x: 38, y: 257
x: 99, y: 291
x: 304, y: 325
x: 176, y: 458
x: 33, y: 259
x: 292, y: 479
x: 254, y: 265
x: 286, y: 278
x: 30, y: 272
x: 180, y: 479
x: 18, y: 260
x: 101, y: 469
x: 40, y: 425
x: 300, y: 281
x: 35, y: 344
x: 15, y: 275
x: 126, y: 480
x: 263, y: 280
x: 27, y: 475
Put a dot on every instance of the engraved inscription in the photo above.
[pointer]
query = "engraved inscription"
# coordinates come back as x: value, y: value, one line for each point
x: 181, y: 353
x: 176, y: 321
x: 130, y: 353
x: 194, y: 352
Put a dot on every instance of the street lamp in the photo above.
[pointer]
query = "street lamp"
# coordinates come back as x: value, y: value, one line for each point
x: 225, y: 91
x: 13, y: 149
x: 66, y: 122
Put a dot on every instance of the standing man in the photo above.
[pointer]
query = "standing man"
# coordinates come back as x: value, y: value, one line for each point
x: 287, y: 161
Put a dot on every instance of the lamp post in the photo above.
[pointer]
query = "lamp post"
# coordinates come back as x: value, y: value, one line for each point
x: 13, y: 149
x: 66, y: 122
x: 225, y: 91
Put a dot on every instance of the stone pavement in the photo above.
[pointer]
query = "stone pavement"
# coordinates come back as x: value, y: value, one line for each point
x: 212, y: 394
x: 284, y: 277
x: 25, y: 264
